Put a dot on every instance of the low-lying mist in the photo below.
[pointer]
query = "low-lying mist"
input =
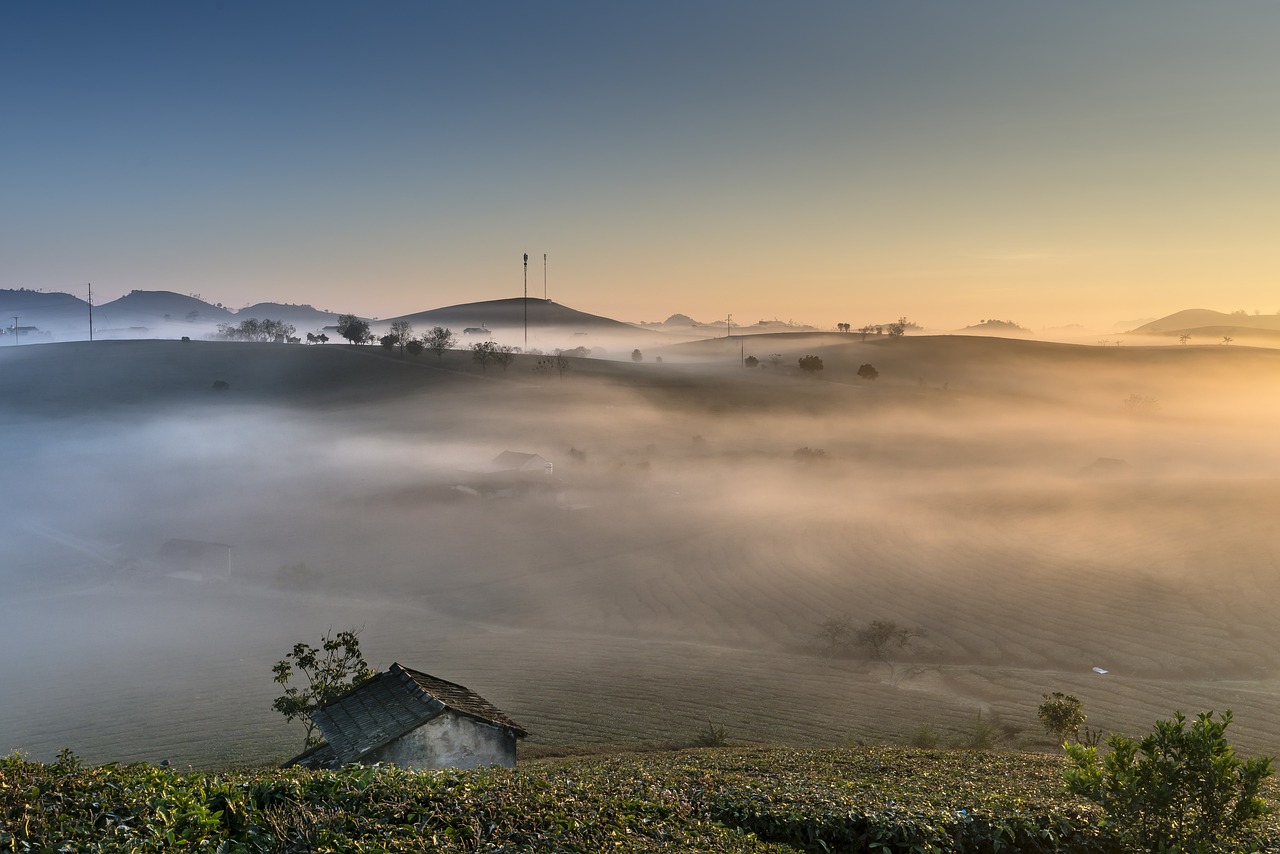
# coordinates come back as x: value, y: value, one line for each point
x: 1035, y: 511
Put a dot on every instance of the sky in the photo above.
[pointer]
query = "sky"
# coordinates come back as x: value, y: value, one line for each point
x: 823, y: 162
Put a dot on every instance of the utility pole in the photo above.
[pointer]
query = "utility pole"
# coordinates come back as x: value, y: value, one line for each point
x: 544, y: 277
x: 728, y: 326
x: 91, y: 311
x: 15, y: 330
x: 526, y: 301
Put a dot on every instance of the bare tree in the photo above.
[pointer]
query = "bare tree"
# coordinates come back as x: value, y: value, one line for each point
x: 485, y: 353
x: 401, y: 333
x: 438, y: 340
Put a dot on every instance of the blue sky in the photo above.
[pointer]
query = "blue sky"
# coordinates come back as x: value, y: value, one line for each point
x: 1050, y: 163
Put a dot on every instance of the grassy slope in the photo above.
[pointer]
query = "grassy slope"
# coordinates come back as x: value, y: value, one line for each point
x: 642, y: 617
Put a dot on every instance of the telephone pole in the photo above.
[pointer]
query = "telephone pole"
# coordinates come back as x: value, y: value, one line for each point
x: 544, y: 277
x: 91, y: 311
x: 15, y: 330
x: 526, y: 301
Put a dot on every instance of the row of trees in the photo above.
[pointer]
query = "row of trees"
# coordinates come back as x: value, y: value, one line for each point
x: 895, y: 329
x: 258, y: 330
x: 437, y: 340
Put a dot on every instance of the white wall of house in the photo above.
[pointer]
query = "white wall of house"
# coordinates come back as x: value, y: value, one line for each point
x: 449, y: 741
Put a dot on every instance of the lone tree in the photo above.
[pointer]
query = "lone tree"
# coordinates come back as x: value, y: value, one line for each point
x: 401, y: 333
x: 881, y: 636
x: 1062, y: 715
x: 868, y: 371
x: 898, y: 328
x: 484, y: 352
x: 836, y: 633
x: 438, y: 340
x: 330, y: 670
x: 637, y: 356
x: 503, y: 355
x: 354, y: 329
x: 810, y: 364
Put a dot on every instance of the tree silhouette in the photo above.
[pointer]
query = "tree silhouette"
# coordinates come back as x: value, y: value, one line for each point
x: 330, y: 670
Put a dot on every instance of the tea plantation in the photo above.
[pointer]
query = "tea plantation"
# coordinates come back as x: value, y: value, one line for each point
x: 884, y: 799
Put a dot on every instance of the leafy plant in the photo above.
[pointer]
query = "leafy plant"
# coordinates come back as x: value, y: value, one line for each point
x: 926, y: 736
x: 330, y: 670
x: 811, y: 364
x: 984, y: 735
x: 1062, y: 715
x: 1178, y: 789
x: 711, y: 736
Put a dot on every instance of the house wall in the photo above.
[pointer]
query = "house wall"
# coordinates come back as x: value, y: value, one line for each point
x: 449, y: 740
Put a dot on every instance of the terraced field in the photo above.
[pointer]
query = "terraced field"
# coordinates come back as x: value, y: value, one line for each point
x: 676, y: 570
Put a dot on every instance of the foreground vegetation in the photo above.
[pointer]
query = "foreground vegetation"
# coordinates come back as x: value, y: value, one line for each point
x: 740, y: 800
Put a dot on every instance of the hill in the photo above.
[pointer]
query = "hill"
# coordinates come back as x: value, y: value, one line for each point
x: 675, y: 566
x: 1209, y: 327
x: 305, y: 318
x: 48, y: 312
x: 153, y: 307
x: 510, y: 313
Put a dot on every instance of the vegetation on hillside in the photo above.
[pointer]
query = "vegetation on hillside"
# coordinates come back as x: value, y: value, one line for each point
x: 751, y: 800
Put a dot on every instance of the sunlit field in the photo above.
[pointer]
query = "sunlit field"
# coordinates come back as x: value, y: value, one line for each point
x: 1033, y: 511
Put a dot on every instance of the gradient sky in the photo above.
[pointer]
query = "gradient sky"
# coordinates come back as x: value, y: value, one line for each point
x: 1049, y: 163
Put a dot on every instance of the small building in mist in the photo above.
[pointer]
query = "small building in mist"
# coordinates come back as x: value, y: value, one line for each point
x: 508, y: 474
x: 410, y: 719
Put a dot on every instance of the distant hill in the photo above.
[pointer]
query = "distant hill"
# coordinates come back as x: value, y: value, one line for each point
x: 48, y: 312
x: 996, y: 327
x: 153, y: 307
x: 1204, y: 322
x: 305, y: 318
x: 507, y: 313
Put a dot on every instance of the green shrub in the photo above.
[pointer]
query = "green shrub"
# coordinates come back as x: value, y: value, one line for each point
x: 1178, y: 789
x: 926, y: 737
x: 1062, y: 715
x: 711, y: 736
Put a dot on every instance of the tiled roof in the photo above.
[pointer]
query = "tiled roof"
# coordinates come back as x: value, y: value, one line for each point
x: 390, y: 704
x: 461, y: 699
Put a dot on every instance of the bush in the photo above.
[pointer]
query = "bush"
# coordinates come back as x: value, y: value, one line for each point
x: 1062, y: 715
x: 1178, y: 789
x: 926, y: 737
x: 868, y: 371
x: 811, y: 364
x: 711, y: 736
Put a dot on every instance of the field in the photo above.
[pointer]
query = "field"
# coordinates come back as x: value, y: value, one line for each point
x: 1034, y: 510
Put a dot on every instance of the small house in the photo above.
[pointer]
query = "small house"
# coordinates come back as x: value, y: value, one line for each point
x: 507, y: 475
x: 410, y: 719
